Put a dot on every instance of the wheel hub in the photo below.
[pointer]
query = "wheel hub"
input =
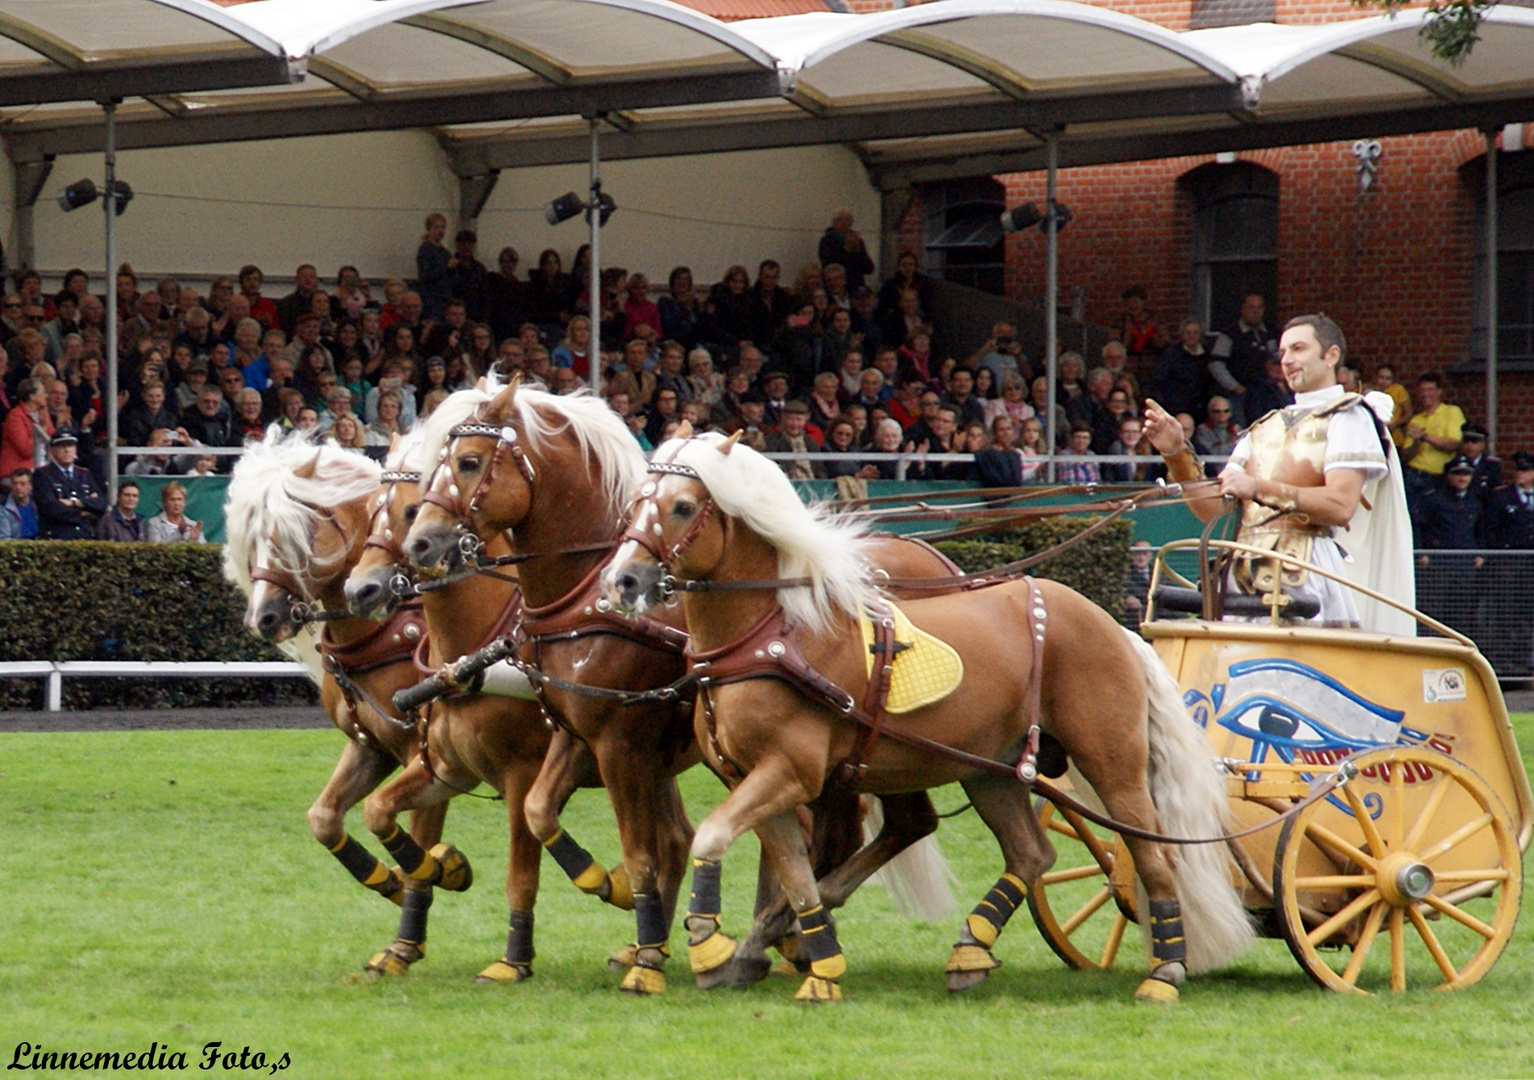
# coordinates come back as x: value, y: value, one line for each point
x: 1404, y: 880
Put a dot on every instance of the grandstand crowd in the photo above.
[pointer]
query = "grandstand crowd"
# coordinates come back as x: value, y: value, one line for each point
x: 829, y: 365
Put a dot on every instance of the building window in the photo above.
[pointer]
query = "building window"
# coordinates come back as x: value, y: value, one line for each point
x: 1515, y: 259
x: 1208, y: 13
x: 1235, y: 239
x: 962, y: 233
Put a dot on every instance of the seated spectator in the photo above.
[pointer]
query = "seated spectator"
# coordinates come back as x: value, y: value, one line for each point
x: 1031, y: 446
x: 565, y: 381
x: 1070, y: 377
x: 1268, y: 391
x: 825, y: 401
x: 975, y: 440
x: 1180, y: 382
x: 18, y: 517
x: 349, y: 368
x: 961, y: 395
x: 841, y: 438
x: 289, y: 402
x: 705, y: 385
x: 309, y: 421
x: 1011, y: 402
x: 916, y: 353
x: 1137, y: 582
x: 395, y: 378
x: 151, y: 413
x: 162, y: 464
x: 434, y: 378
x: 231, y: 382
x: 248, y: 423
x: 632, y: 379
x: 1080, y: 445
x: 1130, y: 442
x: 122, y: 523
x: 171, y: 523
x: 942, y: 438
x: 663, y: 410
x: 791, y: 437
x: 669, y: 370
x: 1141, y: 336
x: 837, y: 340
x: 574, y: 351
x: 188, y: 389
x: 638, y: 309
x: 347, y: 433
x: 726, y: 411
x: 775, y: 391
x: 871, y: 389
x: 1385, y: 381
x: 1216, y: 436
x: 680, y: 310
x: 387, y: 425
x: 211, y: 421
x: 985, y: 385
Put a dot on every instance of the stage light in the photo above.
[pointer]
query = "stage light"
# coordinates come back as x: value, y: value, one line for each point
x: 1062, y: 217
x: 80, y: 193
x: 1020, y: 217
x: 563, y: 208
x: 123, y: 194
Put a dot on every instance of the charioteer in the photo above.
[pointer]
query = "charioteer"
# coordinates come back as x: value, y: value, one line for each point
x: 1321, y: 483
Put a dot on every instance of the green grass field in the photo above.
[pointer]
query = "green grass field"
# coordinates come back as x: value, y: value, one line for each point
x: 162, y: 887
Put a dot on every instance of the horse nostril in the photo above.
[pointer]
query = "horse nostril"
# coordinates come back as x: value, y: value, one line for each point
x: 364, y: 597
x: 269, y: 623
x: 628, y: 586
x: 417, y: 549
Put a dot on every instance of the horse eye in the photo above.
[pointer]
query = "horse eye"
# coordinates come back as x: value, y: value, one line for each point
x: 682, y: 508
x: 469, y: 463
x: 411, y: 511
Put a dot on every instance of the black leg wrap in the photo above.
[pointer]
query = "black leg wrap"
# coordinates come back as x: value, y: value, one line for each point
x: 705, y: 889
x: 650, y: 917
x: 1000, y: 903
x: 412, y: 920
x: 519, y: 938
x: 405, y: 850
x: 573, y: 859
x: 359, y: 861
x: 817, y: 937
x: 1168, y: 945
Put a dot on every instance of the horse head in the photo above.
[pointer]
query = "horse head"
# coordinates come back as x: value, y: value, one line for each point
x: 379, y: 580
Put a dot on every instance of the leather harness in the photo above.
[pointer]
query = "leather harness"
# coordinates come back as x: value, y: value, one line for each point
x: 770, y: 650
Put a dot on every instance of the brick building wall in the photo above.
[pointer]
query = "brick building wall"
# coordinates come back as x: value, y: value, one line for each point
x: 1393, y: 265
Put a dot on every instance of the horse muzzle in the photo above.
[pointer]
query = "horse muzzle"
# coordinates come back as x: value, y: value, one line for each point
x: 633, y: 585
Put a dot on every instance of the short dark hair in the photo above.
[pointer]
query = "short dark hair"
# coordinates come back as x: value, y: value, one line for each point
x: 1430, y: 377
x: 18, y: 473
x: 123, y: 485
x: 1327, y: 333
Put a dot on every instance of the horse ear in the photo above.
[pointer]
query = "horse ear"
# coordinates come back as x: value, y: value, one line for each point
x: 729, y: 444
x: 684, y: 430
x: 500, y: 408
x: 307, y: 470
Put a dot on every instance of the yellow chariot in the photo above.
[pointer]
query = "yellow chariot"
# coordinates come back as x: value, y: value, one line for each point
x: 1409, y: 874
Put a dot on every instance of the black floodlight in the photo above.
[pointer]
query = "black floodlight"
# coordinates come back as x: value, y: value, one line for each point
x: 80, y: 193
x: 123, y: 194
x: 563, y: 208
x: 1062, y: 217
x: 1021, y: 217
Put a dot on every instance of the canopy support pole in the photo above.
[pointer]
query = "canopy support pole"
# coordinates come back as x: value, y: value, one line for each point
x: 1491, y: 290
x: 109, y: 207
x: 594, y: 221
x: 1051, y: 292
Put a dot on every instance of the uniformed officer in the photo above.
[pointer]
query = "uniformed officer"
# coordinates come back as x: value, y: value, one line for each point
x: 1488, y: 470
x: 69, y: 500
x: 1510, y: 527
x: 1448, y: 531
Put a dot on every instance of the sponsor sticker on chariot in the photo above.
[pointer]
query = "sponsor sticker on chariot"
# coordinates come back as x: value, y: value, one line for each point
x: 1443, y: 684
x: 156, y: 1058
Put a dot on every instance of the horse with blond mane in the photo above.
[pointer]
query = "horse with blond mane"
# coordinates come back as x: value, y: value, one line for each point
x: 297, y: 519
x: 786, y: 699
x: 560, y: 472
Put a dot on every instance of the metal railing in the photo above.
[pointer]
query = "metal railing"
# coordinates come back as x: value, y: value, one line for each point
x: 55, y: 671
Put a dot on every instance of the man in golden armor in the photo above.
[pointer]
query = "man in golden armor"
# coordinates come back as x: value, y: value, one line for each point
x: 1310, y: 474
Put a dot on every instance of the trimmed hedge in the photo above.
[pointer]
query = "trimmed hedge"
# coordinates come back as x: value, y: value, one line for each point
x: 100, y: 601
x: 1097, y: 567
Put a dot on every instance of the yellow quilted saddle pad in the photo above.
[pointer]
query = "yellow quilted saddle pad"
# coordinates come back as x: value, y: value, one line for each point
x: 925, y: 671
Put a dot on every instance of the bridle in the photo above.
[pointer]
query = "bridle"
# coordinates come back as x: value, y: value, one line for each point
x: 646, y: 507
x: 505, y: 436
x: 301, y: 612
x: 381, y: 536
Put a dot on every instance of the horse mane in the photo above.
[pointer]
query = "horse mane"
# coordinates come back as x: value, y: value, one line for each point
x: 598, y: 431
x: 810, y: 541
x: 408, y: 456
x: 267, y: 495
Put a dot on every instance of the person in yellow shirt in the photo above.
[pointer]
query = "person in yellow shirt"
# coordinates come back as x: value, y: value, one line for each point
x: 1432, y: 437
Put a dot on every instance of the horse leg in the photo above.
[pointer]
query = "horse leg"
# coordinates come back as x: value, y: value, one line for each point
x: 563, y: 765
x: 359, y: 771
x: 907, y: 819
x: 783, y: 838
x: 641, y: 801
x: 522, y: 867
x: 768, y: 790
x: 444, y: 865
x: 1004, y: 806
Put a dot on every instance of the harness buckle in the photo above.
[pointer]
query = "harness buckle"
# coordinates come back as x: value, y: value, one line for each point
x: 469, y: 545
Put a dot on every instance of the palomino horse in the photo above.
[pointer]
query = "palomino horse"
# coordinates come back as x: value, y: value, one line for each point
x: 296, y: 519
x: 559, y: 472
x: 472, y: 738
x: 783, y: 672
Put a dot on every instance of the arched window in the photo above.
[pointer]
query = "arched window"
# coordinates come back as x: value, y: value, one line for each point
x: 1235, y: 239
x: 1515, y: 259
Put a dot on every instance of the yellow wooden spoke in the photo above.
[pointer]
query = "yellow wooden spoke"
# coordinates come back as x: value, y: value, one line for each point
x: 1397, y: 951
x: 1075, y: 873
x: 1471, y: 877
x: 1115, y: 937
x: 1364, y: 944
x: 1335, y: 881
x: 1457, y: 837
x: 1091, y: 841
x: 1425, y: 818
x: 1341, y: 919
x: 1397, y: 808
x: 1366, y: 824
x: 1087, y: 910
x: 1325, y: 837
x: 1430, y: 939
x: 1460, y: 916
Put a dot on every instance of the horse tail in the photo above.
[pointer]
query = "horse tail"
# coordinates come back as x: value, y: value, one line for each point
x: 1191, y: 801
x: 918, y: 879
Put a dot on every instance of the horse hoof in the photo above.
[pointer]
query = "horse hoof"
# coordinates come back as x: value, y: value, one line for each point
x: 969, y: 966
x: 623, y: 959
x: 503, y: 972
x: 1156, y: 991
x: 819, y: 991
x: 395, y: 960
x: 644, y: 981
x: 456, y: 874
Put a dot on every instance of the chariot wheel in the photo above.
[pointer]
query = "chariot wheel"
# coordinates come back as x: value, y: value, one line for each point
x: 1409, y: 875
x: 1086, y: 901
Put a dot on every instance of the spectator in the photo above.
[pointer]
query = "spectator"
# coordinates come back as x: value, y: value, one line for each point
x: 961, y: 395
x: 151, y: 413
x: 433, y: 267
x: 1180, y: 382
x: 906, y: 278
x: 1070, y: 378
x: 1270, y: 391
x: 841, y: 438
x: 211, y: 422
x: 1137, y: 583
x: 1011, y: 402
x: 1042, y: 409
x: 728, y: 311
x: 346, y: 432
x: 1031, y: 445
x: 632, y: 379
x: 352, y: 297
x: 1131, y: 442
x: 1432, y: 437
x: 705, y: 385
x: 306, y: 286
x: 792, y: 438
x: 161, y: 464
x: 468, y: 280
x: 668, y: 372
x: 1236, y: 359
x: 770, y: 302
x: 1092, y: 407
x: 680, y: 309
x: 726, y: 411
x: 842, y: 245
x: 825, y: 401
x: 1080, y: 445
x: 1488, y: 470
x: 798, y: 345
x: 18, y: 515
x: 1509, y: 526
x: 248, y: 423
x: 171, y: 523
x: 1142, y: 338
x: 1115, y: 356
x: 69, y: 500
x: 638, y: 309
x: 1447, y: 523
x: 943, y: 439
x: 435, y: 378
x: 261, y: 309
x: 664, y: 409
x: 28, y: 429
x: 549, y: 289
x: 122, y: 523
x: 1216, y: 436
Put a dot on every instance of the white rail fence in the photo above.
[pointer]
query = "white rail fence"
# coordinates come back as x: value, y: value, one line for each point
x: 55, y: 671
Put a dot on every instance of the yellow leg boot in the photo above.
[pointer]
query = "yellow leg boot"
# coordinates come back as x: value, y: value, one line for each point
x: 453, y: 870
x: 504, y: 972
x: 395, y: 960
x: 624, y: 958
x: 619, y: 894
x: 643, y: 981
x: 819, y: 991
x: 711, y: 953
